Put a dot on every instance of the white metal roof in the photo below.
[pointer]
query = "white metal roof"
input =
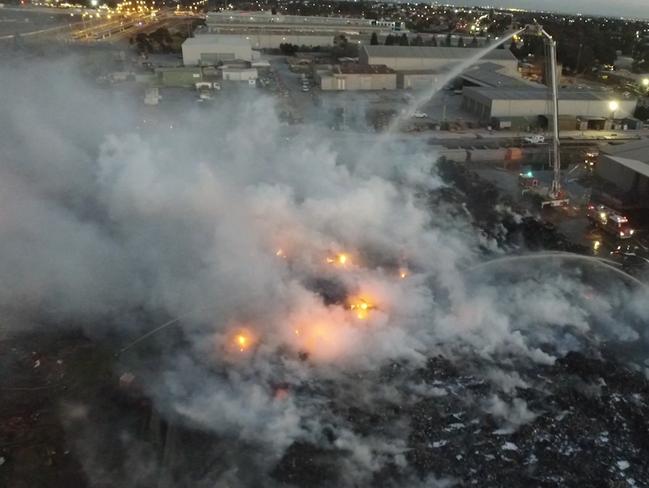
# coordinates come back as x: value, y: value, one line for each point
x: 633, y: 164
x: 633, y: 155
x: 450, y: 53
x: 212, y: 39
x: 540, y: 93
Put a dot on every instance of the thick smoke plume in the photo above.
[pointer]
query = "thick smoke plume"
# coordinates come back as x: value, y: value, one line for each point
x: 295, y: 257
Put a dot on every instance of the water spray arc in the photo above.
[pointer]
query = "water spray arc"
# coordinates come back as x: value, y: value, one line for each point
x: 446, y: 78
x: 562, y: 256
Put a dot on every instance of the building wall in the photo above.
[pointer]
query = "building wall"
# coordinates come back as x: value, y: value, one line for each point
x: 621, y: 176
x: 204, y: 53
x: 272, y: 41
x: 261, y: 40
x: 239, y: 74
x: 417, y: 81
x: 487, y: 108
x: 477, y: 105
x: 329, y: 83
x: 363, y: 57
x: 585, y: 108
x: 357, y: 82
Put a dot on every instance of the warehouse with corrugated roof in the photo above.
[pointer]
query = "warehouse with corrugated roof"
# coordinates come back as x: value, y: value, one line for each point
x: 409, y: 58
x: 514, y: 102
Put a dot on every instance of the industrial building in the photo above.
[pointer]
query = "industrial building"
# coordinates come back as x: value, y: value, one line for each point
x: 624, y: 173
x: 212, y: 49
x: 267, y: 21
x: 493, y: 75
x: 352, y: 77
x: 413, y: 58
x: 265, y: 30
x: 181, y: 76
x: 486, y: 74
x: 588, y: 109
x: 273, y: 41
x: 239, y: 74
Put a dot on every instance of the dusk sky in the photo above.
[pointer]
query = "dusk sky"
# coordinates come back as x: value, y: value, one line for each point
x: 618, y: 8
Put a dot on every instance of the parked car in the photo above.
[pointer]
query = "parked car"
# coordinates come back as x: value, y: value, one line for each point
x: 534, y: 139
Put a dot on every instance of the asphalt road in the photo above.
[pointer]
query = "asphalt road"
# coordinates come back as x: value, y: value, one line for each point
x: 302, y: 103
x: 68, y: 25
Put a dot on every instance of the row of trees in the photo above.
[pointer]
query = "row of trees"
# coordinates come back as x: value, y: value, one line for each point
x: 583, y: 44
x: 158, y: 41
x: 403, y: 40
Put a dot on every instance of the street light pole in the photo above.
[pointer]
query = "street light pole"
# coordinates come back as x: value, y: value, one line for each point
x: 581, y: 45
x: 613, y: 106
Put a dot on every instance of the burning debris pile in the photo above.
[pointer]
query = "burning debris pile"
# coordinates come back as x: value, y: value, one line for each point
x: 301, y: 311
x: 460, y: 422
x: 579, y: 421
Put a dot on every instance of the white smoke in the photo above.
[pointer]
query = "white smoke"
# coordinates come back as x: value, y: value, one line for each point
x: 226, y: 220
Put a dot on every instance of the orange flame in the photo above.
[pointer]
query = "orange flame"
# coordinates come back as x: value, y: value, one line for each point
x: 341, y: 259
x: 361, y: 307
x: 280, y: 254
x: 242, y: 341
x: 403, y: 273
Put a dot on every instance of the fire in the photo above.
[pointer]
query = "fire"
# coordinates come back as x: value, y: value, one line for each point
x: 341, y: 259
x: 316, y: 337
x: 361, y: 307
x: 242, y: 341
x: 280, y: 254
x: 403, y: 273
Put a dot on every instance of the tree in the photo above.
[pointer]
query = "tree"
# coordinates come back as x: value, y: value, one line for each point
x: 288, y: 49
x: 343, y: 48
x: 390, y: 40
x: 403, y: 40
x: 143, y: 44
x: 641, y: 113
x: 418, y: 41
x: 374, y: 41
x: 449, y: 40
x: 460, y: 41
x: 161, y: 40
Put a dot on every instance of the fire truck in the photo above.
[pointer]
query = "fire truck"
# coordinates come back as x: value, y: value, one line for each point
x: 610, y: 221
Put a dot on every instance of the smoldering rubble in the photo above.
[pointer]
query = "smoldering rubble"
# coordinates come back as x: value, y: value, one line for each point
x: 326, y: 327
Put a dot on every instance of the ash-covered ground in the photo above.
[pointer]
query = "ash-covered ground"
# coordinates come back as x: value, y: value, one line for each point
x: 324, y: 313
x: 79, y: 418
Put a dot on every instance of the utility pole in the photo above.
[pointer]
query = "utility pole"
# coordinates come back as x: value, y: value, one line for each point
x: 581, y: 45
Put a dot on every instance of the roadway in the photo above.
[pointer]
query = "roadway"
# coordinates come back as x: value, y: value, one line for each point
x: 70, y: 25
